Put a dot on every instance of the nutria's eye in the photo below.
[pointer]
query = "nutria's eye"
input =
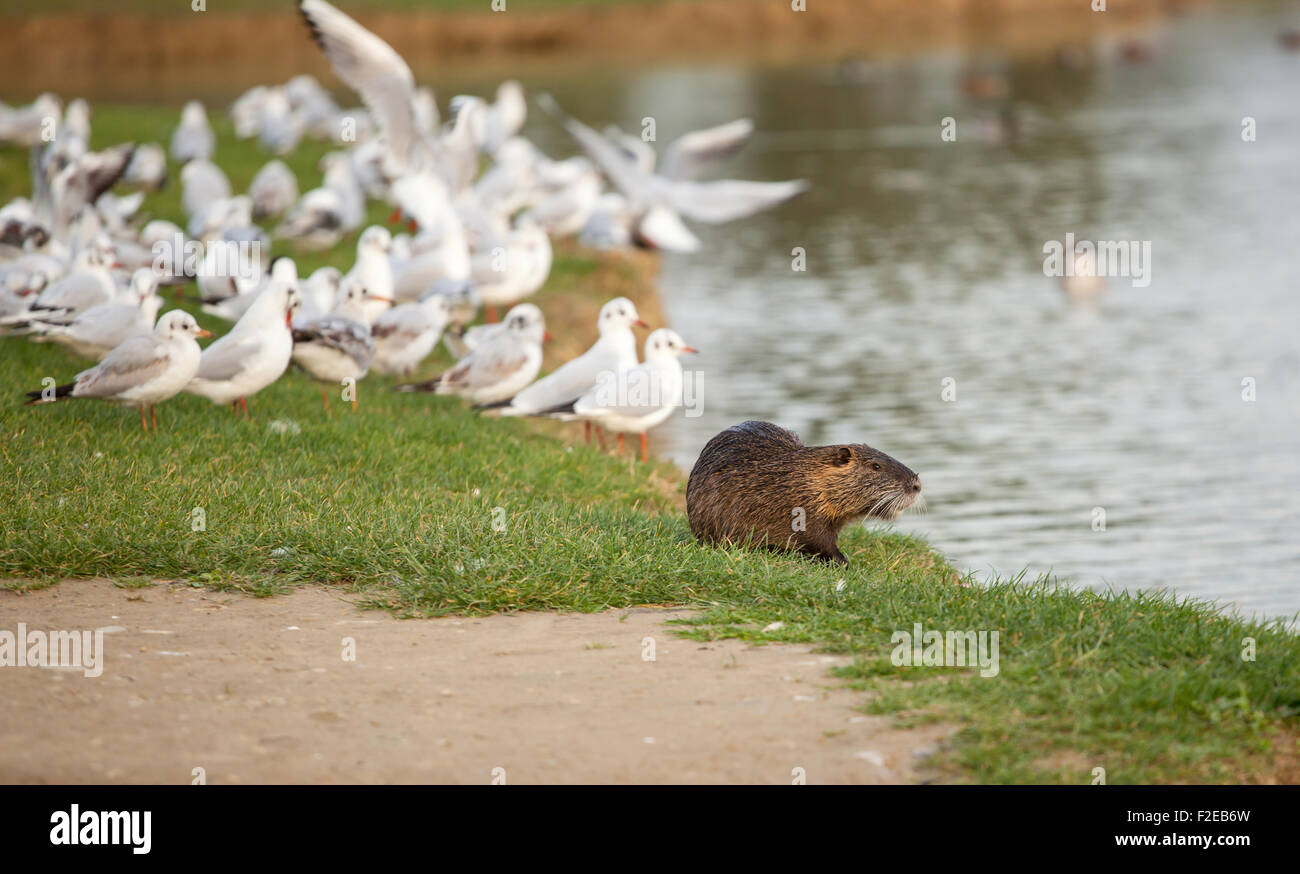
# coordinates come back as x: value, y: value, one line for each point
x: 875, y: 465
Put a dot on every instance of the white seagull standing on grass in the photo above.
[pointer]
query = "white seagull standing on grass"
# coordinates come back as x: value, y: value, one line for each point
x: 373, y: 271
x: 143, y: 371
x: 338, y: 347
x: 406, y: 334
x: 254, y: 354
x: 613, y: 351
x: 100, y: 329
x: 89, y: 283
x: 193, y: 139
x: 274, y: 190
x: 639, y: 398
x: 499, y: 367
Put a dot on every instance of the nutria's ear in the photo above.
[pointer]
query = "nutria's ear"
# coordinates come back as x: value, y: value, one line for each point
x: 843, y: 455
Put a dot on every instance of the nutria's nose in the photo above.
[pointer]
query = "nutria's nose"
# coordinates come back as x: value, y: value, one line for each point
x: 916, y: 483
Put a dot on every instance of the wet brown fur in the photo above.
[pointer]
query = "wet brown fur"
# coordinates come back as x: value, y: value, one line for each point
x: 750, y: 479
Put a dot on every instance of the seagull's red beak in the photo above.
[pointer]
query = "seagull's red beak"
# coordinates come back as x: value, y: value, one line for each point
x: 384, y: 299
x: 412, y: 225
x: 203, y: 332
x: 691, y: 349
x: 640, y: 323
x: 547, y: 336
x: 395, y: 216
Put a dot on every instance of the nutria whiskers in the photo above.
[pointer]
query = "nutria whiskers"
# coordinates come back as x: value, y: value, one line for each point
x: 757, y: 482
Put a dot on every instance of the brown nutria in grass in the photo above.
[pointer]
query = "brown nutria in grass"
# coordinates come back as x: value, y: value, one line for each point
x: 756, y: 482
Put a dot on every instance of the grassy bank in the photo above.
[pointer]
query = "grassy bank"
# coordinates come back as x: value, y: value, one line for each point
x: 427, y: 509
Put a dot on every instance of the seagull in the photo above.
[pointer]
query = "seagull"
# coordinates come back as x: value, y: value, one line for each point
x: 246, y: 110
x: 313, y: 105
x: 64, y: 191
x: 72, y: 139
x: 89, y: 283
x: 637, y: 399
x: 100, y: 329
x: 226, y: 290
x: 22, y: 126
x: 254, y: 354
x: 17, y: 291
x: 464, y: 301
x: 614, y: 351
x: 370, y: 67
x: 118, y: 211
x: 662, y: 199
x: 568, y: 192
x: 406, y: 334
x: 148, y: 167
x: 202, y: 184
x: 338, y: 347
x: 440, y: 249
x: 503, y: 119
x: 193, y: 139
x: 500, y: 367
x: 372, y: 270
x: 319, y: 292
x: 514, y: 267
x: 25, y: 278
x: 323, y: 215
x: 274, y: 190
x: 279, y: 126
x: 145, y: 370
x: 220, y: 215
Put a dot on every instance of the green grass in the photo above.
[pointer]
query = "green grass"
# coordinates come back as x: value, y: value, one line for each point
x: 399, y: 503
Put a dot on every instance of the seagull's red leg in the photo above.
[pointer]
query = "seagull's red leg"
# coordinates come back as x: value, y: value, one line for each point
x: 620, y: 442
x: 354, y: 398
x: 644, y: 455
x: 143, y: 423
x: 153, y: 418
x: 324, y: 399
x: 586, y: 429
x: 243, y: 405
x: 600, y: 435
x: 490, y: 313
x: 234, y: 406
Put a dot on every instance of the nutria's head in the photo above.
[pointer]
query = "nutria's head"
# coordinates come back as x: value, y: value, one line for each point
x: 857, y: 481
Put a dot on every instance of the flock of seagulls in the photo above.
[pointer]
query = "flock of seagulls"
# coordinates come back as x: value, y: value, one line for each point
x: 79, y: 267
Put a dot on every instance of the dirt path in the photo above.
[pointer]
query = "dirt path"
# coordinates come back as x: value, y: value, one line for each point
x: 258, y: 691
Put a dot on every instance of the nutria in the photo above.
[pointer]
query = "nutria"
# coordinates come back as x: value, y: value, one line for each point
x: 757, y: 482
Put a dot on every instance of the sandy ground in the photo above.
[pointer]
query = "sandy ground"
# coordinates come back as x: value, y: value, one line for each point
x: 258, y: 691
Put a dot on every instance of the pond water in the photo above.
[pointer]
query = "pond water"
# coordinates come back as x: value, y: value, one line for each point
x: 925, y: 268
x: 925, y: 263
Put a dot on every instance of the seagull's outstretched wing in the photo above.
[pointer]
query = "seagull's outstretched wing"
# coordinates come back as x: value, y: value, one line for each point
x: 691, y: 155
x: 664, y: 229
x: 371, y: 68
x: 85, y: 179
x: 612, y: 159
x: 727, y: 199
